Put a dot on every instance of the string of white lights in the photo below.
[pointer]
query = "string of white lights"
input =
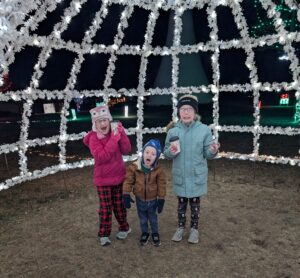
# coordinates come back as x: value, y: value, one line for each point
x: 212, y: 23
x: 142, y: 73
x: 12, y: 13
x: 292, y: 4
x: 175, y: 58
x: 41, y: 63
x: 54, y: 42
x: 250, y: 64
x: 268, y: 40
x: 16, y: 40
x: 60, y: 94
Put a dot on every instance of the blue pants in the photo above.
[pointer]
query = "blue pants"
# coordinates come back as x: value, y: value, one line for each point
x: 147, y: 213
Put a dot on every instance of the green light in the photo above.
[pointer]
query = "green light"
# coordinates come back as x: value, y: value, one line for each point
x: 297, y: 112
x: 284, y: 101
x: 74, y: 117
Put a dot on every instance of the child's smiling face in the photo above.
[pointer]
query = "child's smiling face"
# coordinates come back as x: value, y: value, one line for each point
x: 187, y: 114
x: 102, y: 126
x: 149, y: 156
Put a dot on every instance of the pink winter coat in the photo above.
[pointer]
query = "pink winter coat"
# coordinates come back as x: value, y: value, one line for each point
x: 109, y: 168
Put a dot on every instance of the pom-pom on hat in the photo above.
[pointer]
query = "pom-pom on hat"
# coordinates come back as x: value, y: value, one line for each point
x: 188, y: 100
x: 154, y: 143
x: 100, y: 112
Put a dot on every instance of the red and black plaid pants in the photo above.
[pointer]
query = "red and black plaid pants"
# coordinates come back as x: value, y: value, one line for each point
x: 110, y: 200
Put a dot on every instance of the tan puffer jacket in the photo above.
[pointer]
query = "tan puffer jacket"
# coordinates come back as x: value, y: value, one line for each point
x: 146, y: 187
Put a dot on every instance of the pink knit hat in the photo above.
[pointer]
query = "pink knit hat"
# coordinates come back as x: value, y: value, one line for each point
x: 100, y: 112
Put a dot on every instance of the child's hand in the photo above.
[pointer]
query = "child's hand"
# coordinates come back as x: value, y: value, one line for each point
x: 120, y: 127
x: 127, y: 200
x: 114, y: 127
x: 214, y: 147
x: 173, y: 149
x: 160, y: 205
x: 116, y: 136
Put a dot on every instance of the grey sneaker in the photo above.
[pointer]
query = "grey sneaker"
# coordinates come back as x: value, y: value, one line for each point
x: 194, y: 236
x: 123, y: 234
x: 104, y: 241
x: 178, y: 234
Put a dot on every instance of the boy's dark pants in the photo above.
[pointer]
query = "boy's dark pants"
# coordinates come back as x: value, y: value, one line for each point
x: 147, y: 212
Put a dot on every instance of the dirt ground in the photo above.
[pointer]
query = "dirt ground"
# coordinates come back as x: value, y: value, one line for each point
x: 249, y: 226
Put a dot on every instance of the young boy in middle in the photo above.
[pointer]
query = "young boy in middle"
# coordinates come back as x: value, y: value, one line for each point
x: 148, y: 182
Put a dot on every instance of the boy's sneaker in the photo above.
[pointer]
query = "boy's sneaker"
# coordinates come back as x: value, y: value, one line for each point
x: 144, y: 239
x: 104, y: 241
x: 123, y: 234
x: 155, y: 239
x: 178, y: 234
x: 194, y: 236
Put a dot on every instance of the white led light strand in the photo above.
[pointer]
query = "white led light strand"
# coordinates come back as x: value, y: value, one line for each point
x: 12, y: 14
x: 212, y: 23
x: 250, y: 63
x: 142, y: 73
x: 175, y: 58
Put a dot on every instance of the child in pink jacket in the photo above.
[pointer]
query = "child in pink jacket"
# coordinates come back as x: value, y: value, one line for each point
x: 107, y: 147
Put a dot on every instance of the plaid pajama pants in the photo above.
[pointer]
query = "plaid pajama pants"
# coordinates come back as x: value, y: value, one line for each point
x: 110, y: 200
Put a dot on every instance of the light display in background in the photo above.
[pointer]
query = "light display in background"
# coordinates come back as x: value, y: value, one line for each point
x: 74, y: 116
x: 297, y: 112
x: 288, y: 10
x: 114, y: 101
x: 78, y: 101
x: 48, y: 44
x: 284, y: 99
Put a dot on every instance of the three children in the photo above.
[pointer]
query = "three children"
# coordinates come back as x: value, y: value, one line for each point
x: 145, y: 178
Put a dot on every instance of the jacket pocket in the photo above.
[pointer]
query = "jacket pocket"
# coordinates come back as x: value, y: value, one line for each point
x: 138, y: 191
x: 177, y: 176
x: 152, y: 187
x: 200, y: 175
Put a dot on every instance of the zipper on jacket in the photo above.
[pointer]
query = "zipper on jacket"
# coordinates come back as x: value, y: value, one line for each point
x: 146, y: 182
x: 184, y: 153
x: 145, y: 185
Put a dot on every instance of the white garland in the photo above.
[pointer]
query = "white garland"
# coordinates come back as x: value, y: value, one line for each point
x: 12, y: 13
x: 54, y: 42
x: 212, y: 23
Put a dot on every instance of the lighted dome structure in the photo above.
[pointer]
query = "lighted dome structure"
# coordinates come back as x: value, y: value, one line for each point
x: 147, y: 51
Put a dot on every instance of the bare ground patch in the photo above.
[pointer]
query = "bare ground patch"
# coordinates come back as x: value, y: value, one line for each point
x: 249, y: 227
